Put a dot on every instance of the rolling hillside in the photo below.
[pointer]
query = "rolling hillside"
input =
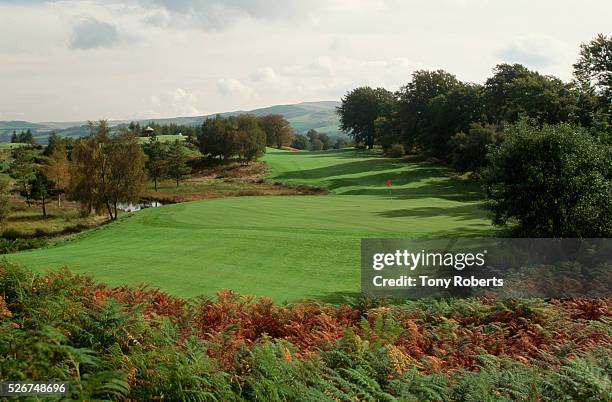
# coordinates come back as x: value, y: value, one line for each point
x: 320, y: 116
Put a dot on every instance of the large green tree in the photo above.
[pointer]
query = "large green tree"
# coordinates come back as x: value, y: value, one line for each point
x: 250, y: 139
x: 433, y: 107
x: 469, y: 148
x: 514, y: 91
x: 216, y: 137
x: 359, y: 110
x: 594, y: 67
x: 227, y: 137
x: 554, y: 181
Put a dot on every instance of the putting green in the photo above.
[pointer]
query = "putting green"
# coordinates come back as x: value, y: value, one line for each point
x: 285, y: 247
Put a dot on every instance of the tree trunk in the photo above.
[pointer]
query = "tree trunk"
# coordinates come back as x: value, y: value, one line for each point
x: 115, y: 205
x: 59, y: 199
x: 44, y: 207
x: 110, y: 211
x: 27, y: 195
x: 177, y: 181
x: 155, y: 181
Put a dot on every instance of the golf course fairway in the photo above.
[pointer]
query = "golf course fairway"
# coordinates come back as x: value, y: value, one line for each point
x: 284, y: 247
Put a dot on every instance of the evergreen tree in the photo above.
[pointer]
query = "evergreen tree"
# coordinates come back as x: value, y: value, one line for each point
x: 156, y: 155
x: 176, y: 162
x: 22, y: 169
x: 42, y: 190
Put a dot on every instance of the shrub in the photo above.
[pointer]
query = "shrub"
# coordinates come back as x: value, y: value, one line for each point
x: 316, y: 145
x: 342, y: 143
x: 299, y: 142
x: 395, y: 151
x: 13, y: 245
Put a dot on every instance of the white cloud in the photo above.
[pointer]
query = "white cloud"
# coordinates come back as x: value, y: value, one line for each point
x: 91, y: 33
x: 532, y: 51
x: 175, y: 102
x: 234, y: 88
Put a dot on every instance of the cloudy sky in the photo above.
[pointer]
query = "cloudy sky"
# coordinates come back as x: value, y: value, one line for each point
x: 64, y: 60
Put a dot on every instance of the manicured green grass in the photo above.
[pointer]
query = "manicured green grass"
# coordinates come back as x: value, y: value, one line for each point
x: 285, y: 247
x: 355, y: 172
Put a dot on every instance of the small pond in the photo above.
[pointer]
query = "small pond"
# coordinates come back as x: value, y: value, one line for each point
x: 134, y: 207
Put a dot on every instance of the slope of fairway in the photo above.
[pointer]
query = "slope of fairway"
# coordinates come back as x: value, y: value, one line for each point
x: 354, y: 172
x: 287, y: 247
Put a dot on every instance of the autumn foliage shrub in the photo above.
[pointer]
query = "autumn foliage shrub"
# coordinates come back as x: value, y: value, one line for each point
x: 133, y: 342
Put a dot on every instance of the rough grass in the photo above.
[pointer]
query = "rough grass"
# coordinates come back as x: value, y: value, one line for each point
x: 233, y: 179
x: 28, y: 222
x: 285, y: 247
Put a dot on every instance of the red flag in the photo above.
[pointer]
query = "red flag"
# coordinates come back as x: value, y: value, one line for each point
x: 388, y: 182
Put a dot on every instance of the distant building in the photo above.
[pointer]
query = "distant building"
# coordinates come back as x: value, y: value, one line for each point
x: 149, y: 132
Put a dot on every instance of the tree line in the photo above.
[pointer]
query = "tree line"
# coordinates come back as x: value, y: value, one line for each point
x: 23, y: 137
x: 315, y: 141
x: 108, y: 168
x: 542, y: 147
x: 426, y: 114
x: 246, y: 136
x: 99, y: 171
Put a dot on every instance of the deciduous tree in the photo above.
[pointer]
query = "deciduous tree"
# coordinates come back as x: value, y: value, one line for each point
x: 469, y: 149
x: 278, y: 130
x: 515, y: 91
x: 107, y: 170
x: 360, y: 108
x: 594, y: 67
x: 57, y: 169
x: 250, y: 138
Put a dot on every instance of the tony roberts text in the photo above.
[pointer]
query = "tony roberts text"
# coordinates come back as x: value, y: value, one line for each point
x: 405, y: 281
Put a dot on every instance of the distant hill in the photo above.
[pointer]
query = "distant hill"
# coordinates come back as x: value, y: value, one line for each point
x: 320, y: 116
